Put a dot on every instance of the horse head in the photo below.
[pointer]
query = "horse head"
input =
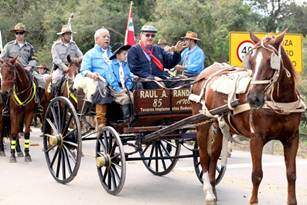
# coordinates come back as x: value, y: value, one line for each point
x: 74, y: 66
x: 8, y: 73
x: 266, y: 62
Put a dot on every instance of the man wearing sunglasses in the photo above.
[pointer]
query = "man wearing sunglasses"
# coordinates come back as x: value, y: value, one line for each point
x: 147, y: 60
x: 24, y: 52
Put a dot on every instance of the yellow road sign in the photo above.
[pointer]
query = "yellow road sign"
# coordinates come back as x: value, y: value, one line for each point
x: 240, y: 44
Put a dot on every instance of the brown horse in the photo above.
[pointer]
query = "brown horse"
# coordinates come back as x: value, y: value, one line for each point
x: 66, y: 87
x: 17, y: 81
x: 273, y: 111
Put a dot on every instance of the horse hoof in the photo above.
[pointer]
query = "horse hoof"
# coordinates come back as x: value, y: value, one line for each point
x: 210, y: 199
x: 20, y: 154
x: 13, y: 159
x: 211, y: 203
x: 28, y: 158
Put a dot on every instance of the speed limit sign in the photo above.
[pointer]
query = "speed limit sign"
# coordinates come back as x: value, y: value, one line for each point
x: 243, y: 48
x: 240, y: 44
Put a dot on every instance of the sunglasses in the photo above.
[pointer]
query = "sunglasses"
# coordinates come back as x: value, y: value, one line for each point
x: 20, y: 33
x: 150, y: 35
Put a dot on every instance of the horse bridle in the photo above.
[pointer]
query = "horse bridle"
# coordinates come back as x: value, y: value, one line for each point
x: 15, y: 76
x: 276, y: 64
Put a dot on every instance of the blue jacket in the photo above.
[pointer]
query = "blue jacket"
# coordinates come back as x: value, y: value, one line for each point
x: 193, y: 61
x: 93, y: 61
x: 115, y: 82
x: 142, y: 67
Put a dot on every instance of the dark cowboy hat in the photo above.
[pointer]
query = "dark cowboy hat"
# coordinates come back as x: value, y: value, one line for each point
x: 19, y: 27
x: 117, y: 48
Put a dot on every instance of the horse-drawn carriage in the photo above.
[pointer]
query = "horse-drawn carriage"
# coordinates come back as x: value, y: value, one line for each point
x: 161, y: 124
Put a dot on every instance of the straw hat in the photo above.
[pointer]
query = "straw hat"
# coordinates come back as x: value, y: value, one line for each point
x: 191, y: 35
x: 65, y: 29
x: 149, y: 28
x: 19, y: 27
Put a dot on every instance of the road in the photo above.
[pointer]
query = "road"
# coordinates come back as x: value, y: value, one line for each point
x: 31, y: 183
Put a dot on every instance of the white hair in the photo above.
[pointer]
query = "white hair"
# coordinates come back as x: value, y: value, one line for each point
x: 99, y: 31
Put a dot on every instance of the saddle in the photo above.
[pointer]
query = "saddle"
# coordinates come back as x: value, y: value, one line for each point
x: 232, y: 82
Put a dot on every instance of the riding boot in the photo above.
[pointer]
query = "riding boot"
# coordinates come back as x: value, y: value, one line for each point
x: 54, y: 89
x: 5, y: 99
x: 38, y: 108
x: 126, y: 112
x: 101, y: 111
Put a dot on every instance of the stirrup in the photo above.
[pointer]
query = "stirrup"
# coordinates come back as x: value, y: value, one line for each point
x: 5, y: 112
x: 39, y: 109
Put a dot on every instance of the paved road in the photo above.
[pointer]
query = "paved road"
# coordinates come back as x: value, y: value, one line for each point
x: 31, y: 183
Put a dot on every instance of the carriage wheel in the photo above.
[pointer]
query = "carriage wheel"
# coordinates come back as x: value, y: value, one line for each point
x: 159, y: 156
x: 220, y: 170
x: 110, y: 160
x: 62, y: 140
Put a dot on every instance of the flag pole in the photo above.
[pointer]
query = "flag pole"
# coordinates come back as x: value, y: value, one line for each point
x: 1, y: 45
x: 129, y: 16
x: 69, y: 24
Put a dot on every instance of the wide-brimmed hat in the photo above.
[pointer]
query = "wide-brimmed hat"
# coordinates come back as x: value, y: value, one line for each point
x: 117, y: 48
x: 42, y: 66
x: 19, y: 27
x: 191, y: 35
x: 149, y: 28
x: 65, y: 29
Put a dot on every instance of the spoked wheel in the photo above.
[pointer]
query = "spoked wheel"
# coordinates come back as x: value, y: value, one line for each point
x: 62, y: 140
x: 158, y: 156
x: 110, y: 160
x: 220, y: 170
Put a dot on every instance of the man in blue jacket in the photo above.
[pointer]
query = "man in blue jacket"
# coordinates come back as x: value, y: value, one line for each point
x: 192, y: 58
x: 147, y: 60
x: 95, y: 65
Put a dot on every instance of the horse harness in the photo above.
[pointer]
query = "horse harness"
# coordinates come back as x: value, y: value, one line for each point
x: 32, y: 88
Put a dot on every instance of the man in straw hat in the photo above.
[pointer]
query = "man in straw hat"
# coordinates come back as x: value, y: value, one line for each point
x: 147, y: 60
x: 192, y: 58
x: 24, y: 52
x: 61, y: 48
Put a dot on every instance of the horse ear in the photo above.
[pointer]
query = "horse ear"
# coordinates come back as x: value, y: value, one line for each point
x: 69, y: 59
x: 280, y: 38
x: 13, y: 60
x: 253, y: 37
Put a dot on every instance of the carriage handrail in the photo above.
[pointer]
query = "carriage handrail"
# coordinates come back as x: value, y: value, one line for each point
x: 190, y: 120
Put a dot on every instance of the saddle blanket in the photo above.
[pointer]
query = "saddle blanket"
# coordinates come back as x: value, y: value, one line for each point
x: 88, y: 85
x: 237, y: 82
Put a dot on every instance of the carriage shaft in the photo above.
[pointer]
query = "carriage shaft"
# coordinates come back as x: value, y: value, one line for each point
x: 189, y: 120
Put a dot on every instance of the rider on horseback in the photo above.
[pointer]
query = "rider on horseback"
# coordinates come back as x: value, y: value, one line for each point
x: 25, y: 53
x: 61, y: 48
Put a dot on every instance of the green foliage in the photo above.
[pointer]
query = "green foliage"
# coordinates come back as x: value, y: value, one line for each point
x: 211, y: 19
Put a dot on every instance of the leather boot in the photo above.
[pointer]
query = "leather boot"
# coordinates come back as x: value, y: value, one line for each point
x: 101, y: 111
x: 5, y: 100
x: 38, y: 108
x: 126, y: 112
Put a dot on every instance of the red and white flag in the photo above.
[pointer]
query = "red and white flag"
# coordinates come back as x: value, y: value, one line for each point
x: 129, y: 37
